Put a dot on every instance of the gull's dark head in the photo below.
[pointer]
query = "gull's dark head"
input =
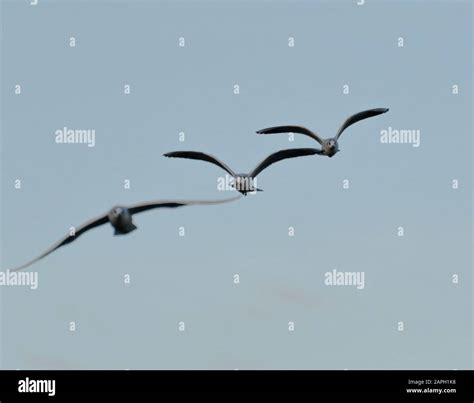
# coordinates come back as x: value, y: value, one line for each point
x: 331, y: 147
x: 244, y: 184
x: 332, y: 144
x: 116, y: 215
x: 116, y: 211
x: 121, y: 220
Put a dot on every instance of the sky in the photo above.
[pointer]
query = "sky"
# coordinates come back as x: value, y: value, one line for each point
x: 190, y: 89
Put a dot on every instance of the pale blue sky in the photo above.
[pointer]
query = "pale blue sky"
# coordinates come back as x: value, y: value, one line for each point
x: 190, y: 278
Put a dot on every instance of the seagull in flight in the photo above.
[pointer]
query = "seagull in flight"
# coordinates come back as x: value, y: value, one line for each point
x: 120, y: 217
x: 329, y: 146
x: 244, y: 183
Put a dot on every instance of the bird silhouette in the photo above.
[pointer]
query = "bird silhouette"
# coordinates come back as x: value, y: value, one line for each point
x: 244, y: 183
x: 330, y: 146
x: 120, y: 217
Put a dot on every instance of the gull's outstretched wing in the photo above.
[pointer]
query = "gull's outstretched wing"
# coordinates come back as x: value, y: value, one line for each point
x: 359, y: 116
x: 282, y: 155
x: 138, y: 208
x: 292, y: 129
x: 195, y: 155
x: 69, y: 238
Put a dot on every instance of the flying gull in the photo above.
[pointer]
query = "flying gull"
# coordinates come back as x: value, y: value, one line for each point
x: 329, y: 146
x: 120, y: 217
x: 244, y: 183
